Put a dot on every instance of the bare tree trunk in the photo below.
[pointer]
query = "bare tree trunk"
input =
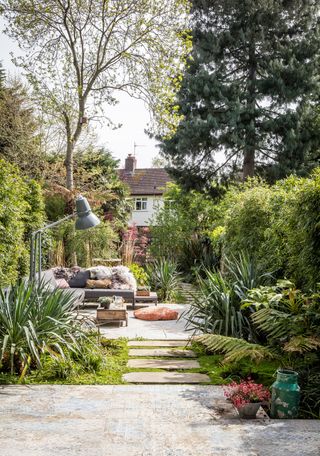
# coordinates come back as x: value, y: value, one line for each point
x: 248, y: 163
x: 69, y: 165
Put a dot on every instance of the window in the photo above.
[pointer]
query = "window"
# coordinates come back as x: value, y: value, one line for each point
x: 140, y: 204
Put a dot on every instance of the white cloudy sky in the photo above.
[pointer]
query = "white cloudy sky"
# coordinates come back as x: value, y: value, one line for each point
x: 131, y: 113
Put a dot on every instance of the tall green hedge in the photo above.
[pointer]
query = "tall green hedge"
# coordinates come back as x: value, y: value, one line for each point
x: 279, y: 226
x: 21, y: 211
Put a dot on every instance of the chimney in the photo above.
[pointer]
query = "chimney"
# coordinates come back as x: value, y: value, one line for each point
x: 130, y: 164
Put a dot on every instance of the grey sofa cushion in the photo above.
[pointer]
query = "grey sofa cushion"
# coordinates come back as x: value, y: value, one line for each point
x: 49, y: 279
x: 79, y: 280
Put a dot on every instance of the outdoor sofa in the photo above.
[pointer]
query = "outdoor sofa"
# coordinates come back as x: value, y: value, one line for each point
x: 77, y: 288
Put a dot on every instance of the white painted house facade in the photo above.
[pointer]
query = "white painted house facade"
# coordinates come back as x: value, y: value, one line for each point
x: 147, y: 186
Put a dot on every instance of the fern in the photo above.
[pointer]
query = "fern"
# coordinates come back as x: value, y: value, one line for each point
x: 234, y: 349
x: 302, y: 344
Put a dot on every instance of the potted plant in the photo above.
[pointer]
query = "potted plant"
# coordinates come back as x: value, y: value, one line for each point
x: 247, y: 396
x: 105, y: 302
x: 143, y: 291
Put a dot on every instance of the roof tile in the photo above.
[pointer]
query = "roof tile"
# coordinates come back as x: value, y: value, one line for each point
x: 146, y: 181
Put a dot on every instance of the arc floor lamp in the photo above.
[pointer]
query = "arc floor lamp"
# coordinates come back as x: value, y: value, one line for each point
x: 85, y: 219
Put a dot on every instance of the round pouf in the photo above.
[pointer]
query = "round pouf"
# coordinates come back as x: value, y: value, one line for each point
x: 156, y: 313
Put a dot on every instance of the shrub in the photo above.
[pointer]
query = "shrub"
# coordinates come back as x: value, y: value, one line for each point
x: 180, y: 229
x: 247, y: 219
x: 98, y: 242
x: 303, y: 231
x: 34, y: 320
x: 163, y: 277
x: 215, y: 309
x: 216, y: 306
x: 279, y: 226
x: 21, y: 211
x: 139, y: 273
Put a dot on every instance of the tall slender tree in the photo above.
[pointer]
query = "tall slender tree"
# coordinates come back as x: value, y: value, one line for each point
x: 2, y: 76
x: 253, y: 66
x: 78, y: 54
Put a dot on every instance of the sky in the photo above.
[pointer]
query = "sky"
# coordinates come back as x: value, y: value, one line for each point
x: 131, y: 113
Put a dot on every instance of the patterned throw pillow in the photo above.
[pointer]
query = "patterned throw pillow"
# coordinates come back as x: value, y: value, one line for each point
x: 62, y: 283
x: 103, y: 283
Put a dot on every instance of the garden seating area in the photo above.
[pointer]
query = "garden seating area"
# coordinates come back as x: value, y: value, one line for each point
x: 159, y: 284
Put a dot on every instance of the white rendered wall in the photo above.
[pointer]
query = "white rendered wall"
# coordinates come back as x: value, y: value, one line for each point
x: 142, y: 218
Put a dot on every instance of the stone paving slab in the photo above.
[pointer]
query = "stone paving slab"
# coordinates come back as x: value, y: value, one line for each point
x: 164, y: 329
x: 140, y: 420
x: 158, y: 343
x: 163, y: 364
x: 162, y: 352
x: 166, y: 377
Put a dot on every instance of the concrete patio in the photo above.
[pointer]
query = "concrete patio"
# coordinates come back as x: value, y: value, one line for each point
x: 133, y: 420
x: 174, y: 329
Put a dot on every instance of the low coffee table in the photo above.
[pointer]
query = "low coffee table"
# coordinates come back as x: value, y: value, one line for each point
x: 116, y: 313
x: 152, y: 297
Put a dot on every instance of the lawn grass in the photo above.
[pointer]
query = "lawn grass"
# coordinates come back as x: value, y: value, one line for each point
x: 105, y: 365
x: 106, y: 362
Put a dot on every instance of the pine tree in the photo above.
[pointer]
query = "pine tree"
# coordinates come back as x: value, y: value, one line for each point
x: 244, y: 95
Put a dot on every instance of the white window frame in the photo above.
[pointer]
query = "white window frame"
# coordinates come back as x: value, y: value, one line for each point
x: 144, y: 204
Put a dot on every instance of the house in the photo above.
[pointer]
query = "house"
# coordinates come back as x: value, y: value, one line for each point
x: 147, y: 186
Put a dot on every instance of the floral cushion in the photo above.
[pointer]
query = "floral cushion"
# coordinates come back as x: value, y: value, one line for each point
x: 62, y: 283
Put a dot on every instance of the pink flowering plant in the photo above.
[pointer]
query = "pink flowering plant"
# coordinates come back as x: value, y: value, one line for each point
x: 246, y: 392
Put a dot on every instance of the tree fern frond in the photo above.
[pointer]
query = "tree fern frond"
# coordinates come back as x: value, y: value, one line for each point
x: 302, y: 344
x: 234, y: 349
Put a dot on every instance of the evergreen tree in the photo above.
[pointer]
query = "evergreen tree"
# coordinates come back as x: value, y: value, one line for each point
x: 244, y: 96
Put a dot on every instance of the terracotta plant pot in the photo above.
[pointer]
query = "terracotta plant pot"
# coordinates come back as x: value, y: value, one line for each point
x: 249, y: 411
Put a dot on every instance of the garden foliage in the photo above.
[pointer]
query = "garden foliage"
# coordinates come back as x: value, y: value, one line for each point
x: 21, y: 211
x: 164, y: 277
x: 181, y: 228
x: 34, y: 320
x: 279, y: 226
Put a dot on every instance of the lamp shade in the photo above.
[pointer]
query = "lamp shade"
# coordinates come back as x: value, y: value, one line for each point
x: 85, y: 217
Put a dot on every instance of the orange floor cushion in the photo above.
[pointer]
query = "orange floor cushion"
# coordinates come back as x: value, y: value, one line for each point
x: 156, y: 313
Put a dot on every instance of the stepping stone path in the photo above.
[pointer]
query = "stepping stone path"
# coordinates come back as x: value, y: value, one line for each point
x: 165, y: 377
x: 162, y: 352
x: 160, y: 355
x: 168, y: 364
x: 156, y: 343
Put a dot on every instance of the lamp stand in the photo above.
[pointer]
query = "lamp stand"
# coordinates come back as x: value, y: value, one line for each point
x: 36, y: 249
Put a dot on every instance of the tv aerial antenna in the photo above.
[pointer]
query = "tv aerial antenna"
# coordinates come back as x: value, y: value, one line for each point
x: 135, y: 145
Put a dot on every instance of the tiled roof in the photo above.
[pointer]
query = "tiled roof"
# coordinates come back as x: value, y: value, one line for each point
x: 148, y: 181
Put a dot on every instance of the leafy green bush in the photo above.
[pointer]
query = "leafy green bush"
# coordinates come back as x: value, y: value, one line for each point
x: 98, y: 242
x: 34, y: 320
x: 290, y: 323
x: 278, y: 226
x: 21, y: 211
x: 139, y: 273
x: 216, y: 306
x: 247, y: 219
x: 180, y: 229
x: 302, y: 230
x: 164, y: 277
